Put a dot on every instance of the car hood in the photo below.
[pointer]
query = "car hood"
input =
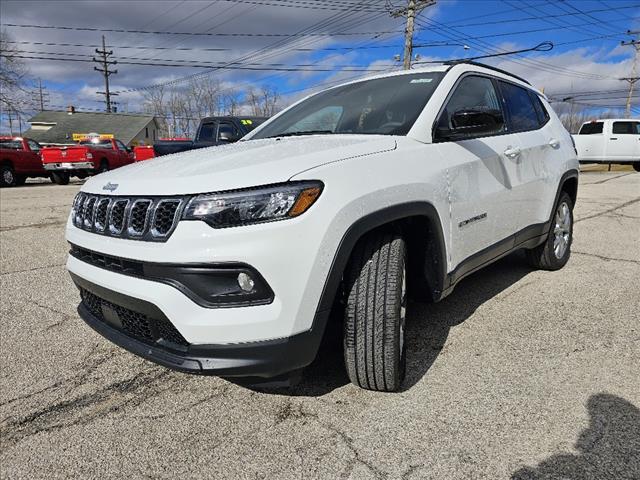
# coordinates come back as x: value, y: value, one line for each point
x: 242, y: 164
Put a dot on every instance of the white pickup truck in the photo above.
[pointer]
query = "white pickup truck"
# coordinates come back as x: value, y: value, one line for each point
x: 609, y: 141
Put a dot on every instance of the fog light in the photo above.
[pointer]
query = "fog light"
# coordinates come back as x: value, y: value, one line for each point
x: 246, y: 282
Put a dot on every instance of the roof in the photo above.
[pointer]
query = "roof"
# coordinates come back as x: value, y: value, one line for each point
x: 123, y: 126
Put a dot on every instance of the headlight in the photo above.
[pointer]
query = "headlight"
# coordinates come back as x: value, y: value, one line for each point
x: 257, y: 205
x: 89, y: 156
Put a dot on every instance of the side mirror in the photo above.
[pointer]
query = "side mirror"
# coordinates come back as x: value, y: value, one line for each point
x: 129, y: 149
x: 227, y: 137
x: 472, y: 123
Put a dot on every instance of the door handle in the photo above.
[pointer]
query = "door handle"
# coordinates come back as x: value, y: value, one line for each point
x: 554, y: 143
x: 512, y: 152
x: 613, y: 138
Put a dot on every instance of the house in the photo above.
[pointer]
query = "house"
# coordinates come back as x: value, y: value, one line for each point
x: 66, y: 127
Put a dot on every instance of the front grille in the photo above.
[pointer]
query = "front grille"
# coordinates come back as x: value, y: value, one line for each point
x: 135, y: 324
x: 151, y: 219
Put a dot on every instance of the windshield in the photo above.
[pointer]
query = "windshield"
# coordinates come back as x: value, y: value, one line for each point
x: 383, y: 106
x: 99, y: 144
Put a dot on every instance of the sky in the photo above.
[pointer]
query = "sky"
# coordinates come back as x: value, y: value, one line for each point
x: 317, y: 42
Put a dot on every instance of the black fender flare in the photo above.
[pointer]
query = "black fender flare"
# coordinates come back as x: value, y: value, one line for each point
x: 361, y: 227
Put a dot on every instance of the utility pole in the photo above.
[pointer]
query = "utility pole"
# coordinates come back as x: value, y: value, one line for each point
x: 633, y: 78
x: 105, y: 62
x: 413, y: 7
x: 42, y: 95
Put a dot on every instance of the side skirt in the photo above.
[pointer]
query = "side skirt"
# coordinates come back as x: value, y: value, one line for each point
x: 528, y: 237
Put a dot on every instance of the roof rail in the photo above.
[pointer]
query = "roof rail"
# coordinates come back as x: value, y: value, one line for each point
x: 453, y: 63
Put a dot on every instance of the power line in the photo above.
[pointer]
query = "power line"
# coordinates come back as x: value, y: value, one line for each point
x: 523, y: 19
x: 221, y: 67
x: 197, y: 34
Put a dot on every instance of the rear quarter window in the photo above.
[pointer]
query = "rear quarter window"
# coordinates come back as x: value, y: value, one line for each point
x: 591, y: 128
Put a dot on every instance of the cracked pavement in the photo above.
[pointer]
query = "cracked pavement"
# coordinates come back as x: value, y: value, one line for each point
x: 518, y: 374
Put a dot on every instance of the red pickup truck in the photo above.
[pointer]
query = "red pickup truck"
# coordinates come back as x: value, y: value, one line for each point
x: 19, y: 159
x: 89, y: 157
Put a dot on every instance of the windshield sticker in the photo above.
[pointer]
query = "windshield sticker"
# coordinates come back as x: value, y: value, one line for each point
x: 421, y: 80
x: 246, y: 122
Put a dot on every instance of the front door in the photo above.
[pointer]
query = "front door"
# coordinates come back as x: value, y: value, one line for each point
x: 480, y: 185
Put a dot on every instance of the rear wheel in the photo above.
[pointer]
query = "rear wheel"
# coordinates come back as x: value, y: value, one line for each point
x: 20, y: 180
x: 8, y: 177
x: 636, y: 166
x: 554, y: 253
x: 374, y: 327
x: 60, y: 178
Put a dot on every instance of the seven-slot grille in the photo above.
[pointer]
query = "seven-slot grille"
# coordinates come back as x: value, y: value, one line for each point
x: 152, y: 219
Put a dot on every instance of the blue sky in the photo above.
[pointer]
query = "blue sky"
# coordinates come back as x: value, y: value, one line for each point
x: 345, y: 34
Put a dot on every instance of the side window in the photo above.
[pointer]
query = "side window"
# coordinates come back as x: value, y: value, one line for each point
x: 625, y: 128
x: 541, y: 111
x: 473, y: 102
x: 121, y: 146
x: 522, y: 114
x: 207, y: 132
x: 591, y: 128
x: 33, y: 145
x: 227, y: 132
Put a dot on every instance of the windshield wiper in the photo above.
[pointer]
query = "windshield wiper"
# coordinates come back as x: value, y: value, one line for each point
x: 300, y: 133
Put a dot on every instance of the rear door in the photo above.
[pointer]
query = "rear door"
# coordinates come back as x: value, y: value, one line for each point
x: 532, y: 168
x: 207, y: 134
x: 623, y: 144
x: 481, y: 192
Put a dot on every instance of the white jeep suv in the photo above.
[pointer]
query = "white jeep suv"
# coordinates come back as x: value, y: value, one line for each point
x: 228, y: 260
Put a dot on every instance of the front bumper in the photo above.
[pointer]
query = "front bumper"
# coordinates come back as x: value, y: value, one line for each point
x: 69, y: 166
x: 265, y: 359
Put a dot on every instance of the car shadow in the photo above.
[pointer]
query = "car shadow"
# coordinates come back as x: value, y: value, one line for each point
x: 428, y: 327
x: 609, y: 448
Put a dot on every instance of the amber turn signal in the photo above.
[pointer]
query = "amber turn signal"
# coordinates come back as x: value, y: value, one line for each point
x: 306, y: 198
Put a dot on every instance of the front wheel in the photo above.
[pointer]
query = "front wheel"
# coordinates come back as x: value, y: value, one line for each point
x: 375, y: 313
x: 8, y: 177
x: 60, y: 178
x: 636, y: 166
x: 554, y: 253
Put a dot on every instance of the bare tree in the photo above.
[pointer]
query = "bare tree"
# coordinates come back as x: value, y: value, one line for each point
x: 263, y: 103
x: 14, y: 97
x: 180, y: 108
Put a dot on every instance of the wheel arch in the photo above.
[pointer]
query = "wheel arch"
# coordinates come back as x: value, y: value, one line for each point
x: 6, y: 161
x: 413, y: 219
x: 569, y: 184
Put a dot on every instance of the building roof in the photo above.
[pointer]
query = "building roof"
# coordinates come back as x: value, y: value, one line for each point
x: 123, y: 126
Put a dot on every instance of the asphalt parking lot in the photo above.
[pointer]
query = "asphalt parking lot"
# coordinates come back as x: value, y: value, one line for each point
x: 518, y: 374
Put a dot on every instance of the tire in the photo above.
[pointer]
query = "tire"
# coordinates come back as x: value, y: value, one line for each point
x: 60, y: 178
x: 375, y: 311
x: 104, y: 166
x: 8, y: 177
x: 554, y: 253
x: 21, y: 180
x: 636, y: 166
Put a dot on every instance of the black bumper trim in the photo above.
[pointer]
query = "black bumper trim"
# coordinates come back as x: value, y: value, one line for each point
x: 264, y: 359
x: 207, y: 285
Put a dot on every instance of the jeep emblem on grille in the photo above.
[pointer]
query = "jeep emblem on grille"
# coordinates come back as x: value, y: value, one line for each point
x: 110, y: 186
